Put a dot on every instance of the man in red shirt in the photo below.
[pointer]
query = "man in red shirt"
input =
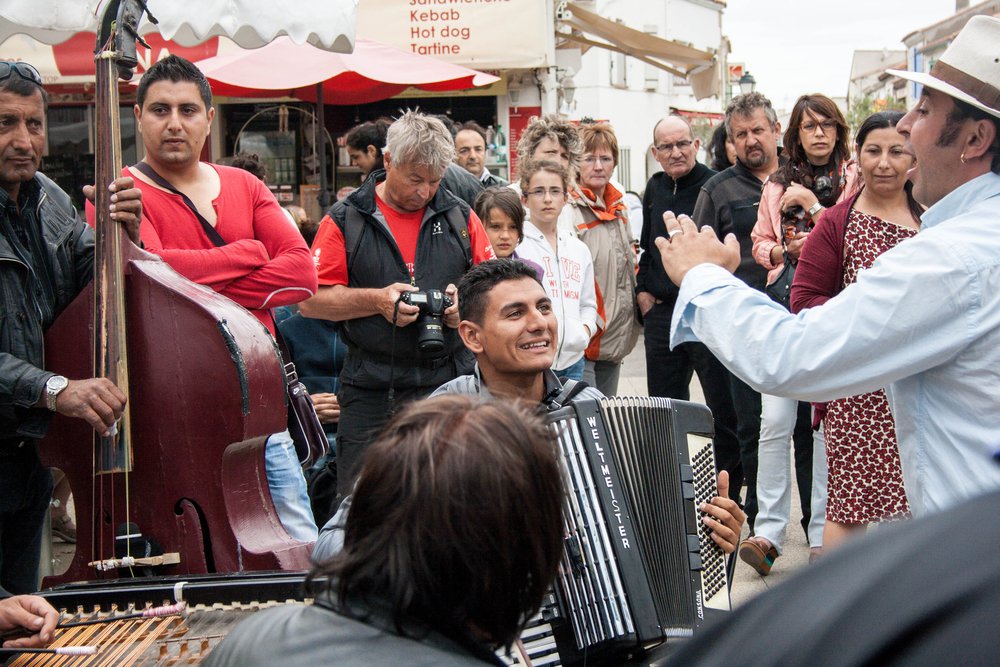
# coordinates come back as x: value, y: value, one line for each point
x: 399, y: 232
x: 220, y: 227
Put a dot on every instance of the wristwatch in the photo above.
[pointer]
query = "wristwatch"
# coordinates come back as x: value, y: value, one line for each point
x: 53, y: 387
x: 814, y: 209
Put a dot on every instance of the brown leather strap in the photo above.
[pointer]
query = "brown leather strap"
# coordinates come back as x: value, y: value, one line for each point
x: 987, y: 94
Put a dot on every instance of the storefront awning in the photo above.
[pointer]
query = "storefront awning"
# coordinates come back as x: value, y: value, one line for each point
x: 70, y: 63
x: 328, y: 24
x: 584, y: 27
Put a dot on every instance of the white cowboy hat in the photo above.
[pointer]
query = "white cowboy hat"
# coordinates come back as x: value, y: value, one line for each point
x: 969, y: 70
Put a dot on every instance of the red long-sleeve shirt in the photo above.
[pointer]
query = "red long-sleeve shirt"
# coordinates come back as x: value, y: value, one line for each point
x: 265, y: 262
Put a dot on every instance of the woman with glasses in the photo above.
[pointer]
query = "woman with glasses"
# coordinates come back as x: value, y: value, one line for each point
x: 817, y: 174
x: 600, y: 219
x: 549, y: 137
x: 865, y: 480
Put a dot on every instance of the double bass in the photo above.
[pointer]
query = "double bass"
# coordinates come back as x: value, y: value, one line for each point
x: 205, y: 387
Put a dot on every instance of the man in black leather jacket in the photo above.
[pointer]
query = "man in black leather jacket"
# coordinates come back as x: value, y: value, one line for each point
x: 46, y: 259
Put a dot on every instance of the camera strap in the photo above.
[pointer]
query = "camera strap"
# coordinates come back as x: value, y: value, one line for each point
x: 391, y: 395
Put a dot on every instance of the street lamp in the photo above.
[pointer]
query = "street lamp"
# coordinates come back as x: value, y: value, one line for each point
x: 747, y: 83
x: 567, y: 89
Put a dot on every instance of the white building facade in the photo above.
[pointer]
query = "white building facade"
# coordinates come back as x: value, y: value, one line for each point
x: 631, y: 94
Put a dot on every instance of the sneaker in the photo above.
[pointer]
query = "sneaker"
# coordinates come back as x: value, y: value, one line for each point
x: 759, y: 554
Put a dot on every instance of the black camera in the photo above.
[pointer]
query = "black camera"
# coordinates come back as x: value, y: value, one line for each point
x: 430, y: 329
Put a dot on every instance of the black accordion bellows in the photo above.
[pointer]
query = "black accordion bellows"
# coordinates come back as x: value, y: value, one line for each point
x: 639, y: 565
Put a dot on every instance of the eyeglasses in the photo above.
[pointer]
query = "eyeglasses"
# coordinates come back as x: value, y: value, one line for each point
x: 667, y: 149
x: 24, y: 70
x: 810, y: 126
x: 604, y: 159
x: 555, y: 193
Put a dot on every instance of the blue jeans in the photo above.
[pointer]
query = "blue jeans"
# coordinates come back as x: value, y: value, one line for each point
x: 288, y: 487
x: 574, y: 372
x: 774, y: 493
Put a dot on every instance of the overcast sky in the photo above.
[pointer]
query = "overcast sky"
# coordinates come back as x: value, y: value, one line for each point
x: 794, y: 47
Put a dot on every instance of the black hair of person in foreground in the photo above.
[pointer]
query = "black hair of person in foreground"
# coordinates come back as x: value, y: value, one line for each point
x: 923, y: 592
x: 453, y: 538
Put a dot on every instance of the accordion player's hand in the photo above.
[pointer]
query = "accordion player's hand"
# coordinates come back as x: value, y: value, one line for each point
x: 724, y: 516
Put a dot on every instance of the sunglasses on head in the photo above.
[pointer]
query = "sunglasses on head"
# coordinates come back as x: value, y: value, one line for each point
x: 23, y: 70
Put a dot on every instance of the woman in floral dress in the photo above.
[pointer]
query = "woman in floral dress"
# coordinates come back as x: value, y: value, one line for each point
x: 865, y: 484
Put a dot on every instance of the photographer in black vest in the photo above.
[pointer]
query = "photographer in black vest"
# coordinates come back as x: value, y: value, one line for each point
x: 388, y: 257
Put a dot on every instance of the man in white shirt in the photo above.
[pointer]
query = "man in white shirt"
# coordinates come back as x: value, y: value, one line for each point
x: 924, y: 321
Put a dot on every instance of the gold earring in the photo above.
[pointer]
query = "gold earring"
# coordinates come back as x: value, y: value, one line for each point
x: 962, y: 158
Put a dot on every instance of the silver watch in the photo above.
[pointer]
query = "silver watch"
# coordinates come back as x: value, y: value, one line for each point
x: 53, y: 387
x: 814, y: 209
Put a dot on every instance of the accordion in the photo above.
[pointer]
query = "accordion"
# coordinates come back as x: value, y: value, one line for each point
x: 639, y: 566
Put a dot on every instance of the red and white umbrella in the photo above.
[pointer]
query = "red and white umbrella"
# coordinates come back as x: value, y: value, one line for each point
x: 374, y: 71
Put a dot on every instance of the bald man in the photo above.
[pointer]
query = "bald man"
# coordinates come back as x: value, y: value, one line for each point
x: 676, y: 189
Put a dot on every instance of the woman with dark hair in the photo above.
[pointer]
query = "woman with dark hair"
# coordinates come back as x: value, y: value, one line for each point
x: 721, y: 151
x: 817, y: 174
x: 453, y: 538
x: 365, y: 143
x: 865, y: 483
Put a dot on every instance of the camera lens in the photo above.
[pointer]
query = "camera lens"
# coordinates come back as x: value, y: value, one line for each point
x: 430, y: 336
x: 823, y: 187
x: 430, y: 329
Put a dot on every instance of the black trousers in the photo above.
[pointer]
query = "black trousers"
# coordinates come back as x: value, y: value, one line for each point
x: 802, y: 448
x: 363, y: 413
x: 668, y: 374
x: 746, y: 402
x: 25, y: 492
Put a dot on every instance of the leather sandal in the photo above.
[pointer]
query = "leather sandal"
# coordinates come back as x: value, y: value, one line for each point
x: 64, y: 528
x: 754, y: 553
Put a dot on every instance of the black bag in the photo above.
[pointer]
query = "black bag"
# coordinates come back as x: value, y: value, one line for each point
x: 780, y: 289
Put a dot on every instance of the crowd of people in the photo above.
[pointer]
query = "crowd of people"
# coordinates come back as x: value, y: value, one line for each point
x: 835, y: 294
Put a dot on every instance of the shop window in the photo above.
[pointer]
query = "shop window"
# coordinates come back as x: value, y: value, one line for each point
x: 69, y: 154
